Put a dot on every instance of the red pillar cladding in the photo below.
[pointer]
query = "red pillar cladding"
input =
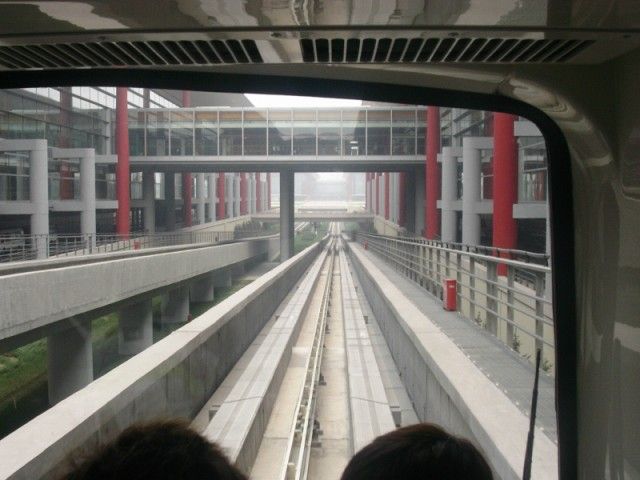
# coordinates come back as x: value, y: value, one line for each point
x: 221, y: 213
x: 258, y: 193
x: 186, y: 177
x: 123, y: 176
x: 269, y: 191
x: 505, y: 179
x: 432, y: 174
x: 402, y: 206
x: 243, y: 194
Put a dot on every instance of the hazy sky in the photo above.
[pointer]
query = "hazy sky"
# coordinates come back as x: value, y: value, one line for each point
x: 268, y: 101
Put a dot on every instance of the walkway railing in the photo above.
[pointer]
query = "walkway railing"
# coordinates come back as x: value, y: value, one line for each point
x: 15, y: 248
x: 506, y: 296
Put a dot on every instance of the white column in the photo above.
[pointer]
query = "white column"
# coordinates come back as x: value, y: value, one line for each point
x: 222, y: 278
x: 70, y: 361
x: 39, y: 192
x: 202, y: 289
x: 175, y: 305
x: 212, y: 196
x: 149, y: 195
x: 449, y: 186
x: 88, y: 193
x: 135, y: 328
x: 236, y: 195
x: 252, y: 197
x: 201, y: 196
x: 470, y: 192
x: 287, y: 197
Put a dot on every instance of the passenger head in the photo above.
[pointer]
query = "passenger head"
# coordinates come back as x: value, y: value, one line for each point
x: 159, y: 450
x: 422, y: 451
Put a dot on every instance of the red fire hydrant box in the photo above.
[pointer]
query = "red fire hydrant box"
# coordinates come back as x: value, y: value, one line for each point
x: 449, y: 294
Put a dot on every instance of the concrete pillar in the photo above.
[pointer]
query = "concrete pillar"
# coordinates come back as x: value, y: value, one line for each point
x: 222, y: 278
x: 432, y: 173
x: 187, y: 193
x: 220, y: 211
x: 470, y: 192
x: 212, y: 197
x: 252, y: 184
x: 387, y: 191
x: 505, y: 184
x: 287, y: 197
x: 243, y: 194
x: 70, y: 361
x: 449, y: 187
x: 202, y: 289
x: 269, y: 190
x: 402, y: 200
x: 149, y: 195
x: 170, y: 200
x: 123, y: 175
x: 135, y: 328
x: 175, y: 305
x: 237, y: 195
x: 39, y: 193
x: 88, y: 194
x: 201, y: 198
x: 259, y: 206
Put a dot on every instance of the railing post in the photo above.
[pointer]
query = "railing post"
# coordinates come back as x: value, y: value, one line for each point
x: 511, y: 275
x: 459, y: 280
x: 492, y: 294
x: 472, y: 288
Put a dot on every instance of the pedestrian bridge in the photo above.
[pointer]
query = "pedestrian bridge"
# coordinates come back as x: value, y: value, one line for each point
x: 255, y: 139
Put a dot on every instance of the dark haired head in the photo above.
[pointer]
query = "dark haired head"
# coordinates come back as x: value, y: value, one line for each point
x: 158, y: 450
x: 422, y: 451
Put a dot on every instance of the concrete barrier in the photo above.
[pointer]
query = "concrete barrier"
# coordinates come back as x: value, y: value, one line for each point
x: 174, y: 377
x: 240, y: 422
x: 36, y: 299
x: 445, y: 386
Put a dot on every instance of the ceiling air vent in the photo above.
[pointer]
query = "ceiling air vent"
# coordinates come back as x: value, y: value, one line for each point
x: 136, y: 53
x: 440, y: 50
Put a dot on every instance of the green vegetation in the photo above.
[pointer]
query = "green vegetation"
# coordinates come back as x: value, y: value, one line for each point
x: 309, y: 235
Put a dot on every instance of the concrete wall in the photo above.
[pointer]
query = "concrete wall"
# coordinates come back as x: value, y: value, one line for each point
x: 37, y: 299
x: 174, y: 377
x: 445, y: 386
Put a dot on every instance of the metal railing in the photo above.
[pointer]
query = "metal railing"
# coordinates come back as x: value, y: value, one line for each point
x: 15, y: 248
x: 503, y: 291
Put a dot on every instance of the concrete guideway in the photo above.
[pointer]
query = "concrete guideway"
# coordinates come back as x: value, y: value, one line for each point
x: 445, y: 386
x: 174, y: 377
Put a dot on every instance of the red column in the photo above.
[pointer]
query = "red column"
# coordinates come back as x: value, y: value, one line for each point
x: 432, y: 174
x: 402, y: 210
x: 221, y: 213
x: 269, y: 191
x: 243, y: 194
x: 387, y: 176
x: 123, y: 176
x: 258, y: 193
x: 186, y: 177
x: 505, y: 178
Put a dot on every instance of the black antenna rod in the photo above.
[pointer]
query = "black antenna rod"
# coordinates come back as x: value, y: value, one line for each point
x: 528, y: 456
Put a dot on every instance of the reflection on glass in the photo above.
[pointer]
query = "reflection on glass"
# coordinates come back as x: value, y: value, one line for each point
x: 280, y: 132
x: 64, y: 179
x: 304, y: 132
x: 255, y: 132
x: 421, y: 131
x: 105, y: 182
x: 231, y: 133
x: 353, y: 132
x: 378, y: 132
x: 329, y: 132
x: 182, y: 132
x: 206, y: 133
x: 14, y: 176
x: 404, y: 132
x: 532, y: 157
x: 157, y: 133
x: 136, y: 132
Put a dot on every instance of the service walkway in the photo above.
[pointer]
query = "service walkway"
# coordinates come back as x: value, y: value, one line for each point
x: 506, y: 369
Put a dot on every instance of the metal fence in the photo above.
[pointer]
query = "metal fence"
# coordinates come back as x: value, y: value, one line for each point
x: 15, y: 248
x: 503, y: 291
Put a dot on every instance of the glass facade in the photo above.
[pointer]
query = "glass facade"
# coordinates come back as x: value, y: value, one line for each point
x: 532, y: 158
x: 14, y: 176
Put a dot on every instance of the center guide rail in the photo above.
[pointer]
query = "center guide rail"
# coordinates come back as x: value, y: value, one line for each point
x: 299, y: 444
